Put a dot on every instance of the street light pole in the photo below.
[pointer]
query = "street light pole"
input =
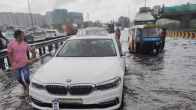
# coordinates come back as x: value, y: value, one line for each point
x: 145, y: 3
x: 30, y: 12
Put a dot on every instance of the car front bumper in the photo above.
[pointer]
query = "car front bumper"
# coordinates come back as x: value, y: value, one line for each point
x: 98, y: 100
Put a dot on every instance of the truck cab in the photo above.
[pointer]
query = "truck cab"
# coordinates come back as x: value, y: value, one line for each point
x: 144, y: 38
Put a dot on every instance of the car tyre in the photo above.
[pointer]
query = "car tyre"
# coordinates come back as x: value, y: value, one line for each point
x: 122, y: 103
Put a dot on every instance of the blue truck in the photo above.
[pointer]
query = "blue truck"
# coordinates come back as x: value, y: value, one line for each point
x: 145, y: 39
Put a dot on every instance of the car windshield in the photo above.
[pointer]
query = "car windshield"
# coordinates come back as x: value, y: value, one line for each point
x: 88, y: 48
x: 150, y: 32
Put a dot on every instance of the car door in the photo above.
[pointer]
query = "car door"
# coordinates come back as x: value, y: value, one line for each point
x: 122, y: 57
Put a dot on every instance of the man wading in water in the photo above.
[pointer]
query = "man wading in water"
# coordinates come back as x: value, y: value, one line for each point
x: 17, y: 53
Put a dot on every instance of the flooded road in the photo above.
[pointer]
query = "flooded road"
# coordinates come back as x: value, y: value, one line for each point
x: 163, y: 82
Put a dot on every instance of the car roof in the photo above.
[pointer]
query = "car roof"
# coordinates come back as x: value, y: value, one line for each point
x: 93, y: 37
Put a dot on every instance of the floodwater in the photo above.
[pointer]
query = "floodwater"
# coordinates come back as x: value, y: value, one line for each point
x: 163, y: 82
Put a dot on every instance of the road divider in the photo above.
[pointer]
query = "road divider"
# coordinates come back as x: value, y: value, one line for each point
x: 185, y: 35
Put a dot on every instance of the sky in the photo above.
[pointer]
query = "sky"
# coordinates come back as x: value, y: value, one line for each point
x: 103, y: 10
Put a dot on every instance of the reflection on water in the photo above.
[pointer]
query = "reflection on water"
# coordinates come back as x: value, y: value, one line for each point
x: 11, y: 91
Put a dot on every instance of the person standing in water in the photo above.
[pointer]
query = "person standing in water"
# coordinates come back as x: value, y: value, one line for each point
x: 17, y: 54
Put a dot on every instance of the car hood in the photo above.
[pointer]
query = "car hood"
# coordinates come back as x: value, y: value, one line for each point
x: 79, y: 70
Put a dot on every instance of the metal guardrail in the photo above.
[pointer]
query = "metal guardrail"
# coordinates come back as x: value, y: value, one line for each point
x: 42, y: 47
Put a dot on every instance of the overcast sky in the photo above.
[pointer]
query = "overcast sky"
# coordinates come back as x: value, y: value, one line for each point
x: 103, y: 10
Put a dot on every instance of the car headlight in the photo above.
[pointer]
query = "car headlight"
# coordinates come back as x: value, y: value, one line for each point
x: 37, y: 86
x: 112, y: 83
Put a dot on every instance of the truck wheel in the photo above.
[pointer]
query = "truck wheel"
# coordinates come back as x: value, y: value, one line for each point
x: 155, y: 51
x: 137, y: 48
x: 134, y: 47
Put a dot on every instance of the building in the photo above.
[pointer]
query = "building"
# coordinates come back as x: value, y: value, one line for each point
x: 57, y: 16
x: 21, y: 19
x: 76, y: 18
x: 62, y: 16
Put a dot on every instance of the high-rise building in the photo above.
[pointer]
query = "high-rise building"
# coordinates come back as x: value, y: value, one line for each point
x: 62, y: 16
x: 21, y: 19
x: 57, y: 16
x: 76, y: 17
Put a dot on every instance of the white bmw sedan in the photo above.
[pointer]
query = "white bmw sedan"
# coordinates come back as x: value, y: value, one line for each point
x: 85, y: 74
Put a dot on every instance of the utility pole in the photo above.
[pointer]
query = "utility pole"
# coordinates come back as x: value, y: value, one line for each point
x: 145, y: 2
x: 30, y: 12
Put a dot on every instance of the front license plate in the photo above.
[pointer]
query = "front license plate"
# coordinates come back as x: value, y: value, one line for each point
x: 70, y: 101
x: 55, y: 105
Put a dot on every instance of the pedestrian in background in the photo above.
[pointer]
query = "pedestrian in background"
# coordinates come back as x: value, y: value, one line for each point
x: 17, y: 54
x: 163, y: 36
x: 118, y: 34
x: 3, y: 44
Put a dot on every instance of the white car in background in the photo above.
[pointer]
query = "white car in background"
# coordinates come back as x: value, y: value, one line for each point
x: 51, y: 33
x: 86, y: 73
x: 93, y: 31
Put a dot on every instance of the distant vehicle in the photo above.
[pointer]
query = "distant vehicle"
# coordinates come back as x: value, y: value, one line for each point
x: 86, y: 73
x: 3, y: 43
x: 93, y: 31
x: 9, y: 34
x: 144, y: 38
x: 29, y: 38
x: 51, y: 33
x: 70, y: 29
x: 144, y: 16
x: 38, y: 35
x: 110, y: 28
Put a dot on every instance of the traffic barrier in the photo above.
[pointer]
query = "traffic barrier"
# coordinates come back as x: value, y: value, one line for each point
x: 43, y: 47
x: 185, y: 35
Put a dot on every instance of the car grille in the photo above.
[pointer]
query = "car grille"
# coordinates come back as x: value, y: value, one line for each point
x: 73, y: 90
x: 56, y: 89
x: 80, y: 89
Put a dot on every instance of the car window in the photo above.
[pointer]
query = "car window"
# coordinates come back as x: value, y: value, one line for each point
x: 88, y: 48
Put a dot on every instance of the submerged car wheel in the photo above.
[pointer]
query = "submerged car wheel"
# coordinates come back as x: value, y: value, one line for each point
x: 122, y: 103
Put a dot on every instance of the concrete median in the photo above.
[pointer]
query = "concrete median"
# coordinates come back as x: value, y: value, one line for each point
x: 185, y: 35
